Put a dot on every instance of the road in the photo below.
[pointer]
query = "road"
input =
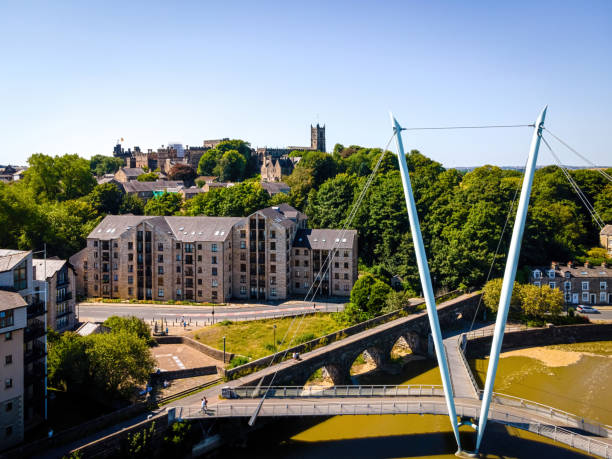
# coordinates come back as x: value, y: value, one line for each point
x: 98, y: 312
x: 603, y: 313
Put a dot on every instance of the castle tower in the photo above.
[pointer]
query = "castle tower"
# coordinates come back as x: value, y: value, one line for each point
x: 317, y: 137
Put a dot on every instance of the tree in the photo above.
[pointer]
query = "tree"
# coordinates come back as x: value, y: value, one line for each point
x: 106, y: 198
x: 131, y: 324
x: 540, y: 302
x: 231, y: 166
x: 330, y: 204
x: 183, y: 172
x: 207, y: 163
x: 147, y: 177
x: 131, y: 204
x: 165, y: 204
x: 239, y: 200
x: 100, y: 164
x: 66, y: 361
x: 369, y: 295
x: 492, y: 292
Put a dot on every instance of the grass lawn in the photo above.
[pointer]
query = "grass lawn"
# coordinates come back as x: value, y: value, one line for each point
x: 254, y: 338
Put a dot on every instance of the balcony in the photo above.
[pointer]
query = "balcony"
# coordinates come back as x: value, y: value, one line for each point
x: 65, y: 297
x: 36, y: 373
x: 61, y: 281
x: 36, y: 352
x: 66, y: 312
x: 35, y: 329
x: 36, y: 308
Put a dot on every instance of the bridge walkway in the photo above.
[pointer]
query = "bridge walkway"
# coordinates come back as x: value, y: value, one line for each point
x: 464, y: 385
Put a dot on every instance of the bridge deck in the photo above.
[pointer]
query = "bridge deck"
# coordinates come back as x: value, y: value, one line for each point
x: 463, y: 384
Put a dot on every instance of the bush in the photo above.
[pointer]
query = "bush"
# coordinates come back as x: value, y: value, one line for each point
x: 238, y: 361
x: 225, y: 323
x: 304, y: 338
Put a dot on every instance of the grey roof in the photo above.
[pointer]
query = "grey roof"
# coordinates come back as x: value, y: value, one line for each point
x: 192, y: 191
x: 607, y: 230
x: 325, y: 239
x: 189, y: 229
x: 11, y: 300
x: 51, y: 266
x: 132, y: 171
x: 186, y: 229
x: 137, y: 187
x: 576, y: 271
x: 275, y: 187
x: 283, y: 214
x: 10, y: 258
x: 91, y: 328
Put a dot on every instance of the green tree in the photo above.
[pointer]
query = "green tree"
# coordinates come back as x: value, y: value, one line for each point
x: 540, y: 302
x: 208, y: 162
x: 148, y: 177
x: 165, y: 204
x: 491, y: 293
x: 329, y: 206
x: 131, y: 324
x: 369, y: 295
x: 131, y: 204
x: 67, y: 364
x: 106, y: 198
x: 231, y: 166
x: 100, y: 164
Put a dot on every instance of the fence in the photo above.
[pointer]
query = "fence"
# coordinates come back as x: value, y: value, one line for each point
x: 333, y: 391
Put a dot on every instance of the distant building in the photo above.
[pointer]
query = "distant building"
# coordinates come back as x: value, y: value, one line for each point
x: 585, y: 284
x: 17, y: 277
x: 127, y: 174
x: 59, y: 275
x: 275, y: 187
x: 605, y: 239
x: 273, y: 169
x: 317, y: 143
x: 146, y: 190
x: 191, y: 192
x: 269, y: 255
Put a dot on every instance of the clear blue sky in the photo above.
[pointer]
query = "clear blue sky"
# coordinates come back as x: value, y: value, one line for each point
x: 76, y: 76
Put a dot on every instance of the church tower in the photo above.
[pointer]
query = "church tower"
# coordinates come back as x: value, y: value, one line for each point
x: 317, y: 137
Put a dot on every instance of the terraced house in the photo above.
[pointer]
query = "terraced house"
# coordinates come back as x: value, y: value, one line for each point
x: 214, y: 259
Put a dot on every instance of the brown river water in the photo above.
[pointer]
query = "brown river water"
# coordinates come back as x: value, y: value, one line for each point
x: 575, y: 378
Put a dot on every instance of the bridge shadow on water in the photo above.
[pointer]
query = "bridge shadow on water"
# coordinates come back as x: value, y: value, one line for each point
x: 276, y: 441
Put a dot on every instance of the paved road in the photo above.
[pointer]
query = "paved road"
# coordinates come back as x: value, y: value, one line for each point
x: 98, y: 312
x: 602, y: 314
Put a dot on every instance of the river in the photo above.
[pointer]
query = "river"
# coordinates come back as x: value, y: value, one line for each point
x: 576, y: 378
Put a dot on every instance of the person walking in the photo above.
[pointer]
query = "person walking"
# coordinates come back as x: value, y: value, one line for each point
x: 204, y: 403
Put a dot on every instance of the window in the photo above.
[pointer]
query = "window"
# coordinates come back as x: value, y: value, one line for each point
x: 160, y: 292
x: 345, y: 265
x: 160, y: 281
x: 297, y: 251
x: 178, y: 269
x: 9, y: 431
x: 585, y: 297
x: 305, y: 262
x: 8, y: 383
x: 272, y: 245
x: 273, y: 280
x: 305, y: 284
x: 242, y: 279
x: 199, y: 257
x: 178, y: 257
x: 130, y: 279
x: 336, y: 276
x: 9, y: 406
x: 214, y: 271
x: 8, y: 359
x: 243, y: 267
x: 336, y: 265
x: 178, y: 292
x: 346, y: 254
x: 8, y: 336
x: 603, y: 297
x: 568, y: 274
x: 213, y: 247
x: 189, y: 248
x: 346, y: 287
x: 130, y: 291
x: 568, y: 297
x: 160, y: 270
x: 160, y: 258
x: 199, y: 292
x: 115, y: 255
x: 242, y: 234
x: 297, y: 262
x: 297, y: 285
x: 214, y: 294
x: 215, y: 283
x: 345, y: 276
x: 95, y: 243
x: 178, y: 246
x: 603, y: 285
x: 189, y: 259
x: 199, y: 281
x: 130, y: 257
x: 243, y: 244
x: 273, y: 257
x: 551, y: 274
x: 6, y: 318
x: 178, y: 280
x: 199, y: 270
x: 537, y: 274
x: 273, y: 291
x: 585, y: 285
x: 160, y: 247
x: 568, y: 286
x: 552, y: 284
x: 243, y: 290
x: 536, y: 283
x: 273, y: 268
x: 272, y: 234
x: 20, y: 277
x: 297, y: 274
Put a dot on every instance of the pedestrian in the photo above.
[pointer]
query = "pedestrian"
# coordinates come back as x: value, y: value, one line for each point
x: 166, y: 331
x: 184, y: 325
x: 204, y: 402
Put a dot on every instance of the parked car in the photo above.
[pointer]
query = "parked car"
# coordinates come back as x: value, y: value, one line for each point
x: 586, y: 309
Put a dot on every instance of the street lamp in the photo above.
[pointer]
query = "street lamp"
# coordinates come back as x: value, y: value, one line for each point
x: 224, y: 350
x: 274, y: 327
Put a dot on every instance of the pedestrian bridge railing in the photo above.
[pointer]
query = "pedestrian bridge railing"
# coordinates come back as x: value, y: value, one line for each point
x: 331, y: 391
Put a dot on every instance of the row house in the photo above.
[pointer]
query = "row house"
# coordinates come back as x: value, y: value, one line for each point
x: 203, y: 259
x: 25, y: 321
x: 584, y: 284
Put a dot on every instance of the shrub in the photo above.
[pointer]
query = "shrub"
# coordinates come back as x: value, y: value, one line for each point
x: 238, y: 361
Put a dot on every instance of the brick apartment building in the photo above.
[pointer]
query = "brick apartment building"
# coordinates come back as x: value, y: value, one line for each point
x: 23, y: 337
x: 269, y: 255
x: 585, y: 284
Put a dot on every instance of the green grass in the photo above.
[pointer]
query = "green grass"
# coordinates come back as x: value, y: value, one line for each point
x: 254, y: 338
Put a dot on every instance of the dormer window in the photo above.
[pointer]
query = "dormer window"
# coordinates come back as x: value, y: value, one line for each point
x: 551, y: 273
x: 537, y: 274
x: 567, y: 274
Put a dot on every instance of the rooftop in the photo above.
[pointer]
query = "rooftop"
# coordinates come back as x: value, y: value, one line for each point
x: 607, y: 230
x: 50, y: 265
x: 11, y: 300
x: 325, y: 239
x: 10, y: 258
x: 160, y: 185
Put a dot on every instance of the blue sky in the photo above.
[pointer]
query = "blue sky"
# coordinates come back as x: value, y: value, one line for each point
x: 76, y: 76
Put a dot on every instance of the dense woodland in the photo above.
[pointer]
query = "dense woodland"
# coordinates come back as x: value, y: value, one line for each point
x: 462, y: 215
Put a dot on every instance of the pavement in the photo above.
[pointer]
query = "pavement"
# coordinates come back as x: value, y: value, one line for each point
x: 172, y: 357
x: 203, y: 315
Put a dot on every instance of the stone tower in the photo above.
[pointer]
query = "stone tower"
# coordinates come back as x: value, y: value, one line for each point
x: 317, y: 137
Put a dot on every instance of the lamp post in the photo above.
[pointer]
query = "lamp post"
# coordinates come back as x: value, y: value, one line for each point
x: 224, y: 350
x: 274, y: 331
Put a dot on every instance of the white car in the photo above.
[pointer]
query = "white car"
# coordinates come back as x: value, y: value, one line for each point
x: 586, y: 309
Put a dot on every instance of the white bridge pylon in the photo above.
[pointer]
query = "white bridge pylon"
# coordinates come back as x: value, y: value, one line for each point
x: 506, y: 292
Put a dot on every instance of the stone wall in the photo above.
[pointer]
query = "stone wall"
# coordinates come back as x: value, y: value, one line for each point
x: 203, y: 348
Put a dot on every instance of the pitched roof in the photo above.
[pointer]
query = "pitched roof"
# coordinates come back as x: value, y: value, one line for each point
x: 11, y: 300
x: 325, y: 239
x: 576, y: 271
x: 132, y: 171
x: 283, y: 214
x: 11, y: 258
x: 160, y: 185
x: 275, y: 187
x: 50, y: 265
x: 607, y: 230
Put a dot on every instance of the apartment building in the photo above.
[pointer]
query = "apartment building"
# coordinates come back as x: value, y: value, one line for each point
x: 13, y: 321
x: 206, y: 259
x: 17, y: 276
x: 586, y: 284
x: 59, y: 276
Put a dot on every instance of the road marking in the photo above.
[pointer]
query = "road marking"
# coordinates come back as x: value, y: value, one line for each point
x: 178, y: 362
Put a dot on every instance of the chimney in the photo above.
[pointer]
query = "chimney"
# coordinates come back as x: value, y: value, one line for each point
x: 570, y: 264
x: 587, y: 264
x: 554, y: 265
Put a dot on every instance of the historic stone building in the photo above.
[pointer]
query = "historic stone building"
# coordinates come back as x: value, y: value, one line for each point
x: 273, y: 169
x: 605, y: 239
x: 210, y: 259
x: 586, y: 284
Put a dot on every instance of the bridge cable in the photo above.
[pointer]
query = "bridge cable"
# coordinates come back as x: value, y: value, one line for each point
x: 499, y: 242
x: 466, y: 127
x: 583, y: 198
x: 598, y: 169
x: 326, y: 264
